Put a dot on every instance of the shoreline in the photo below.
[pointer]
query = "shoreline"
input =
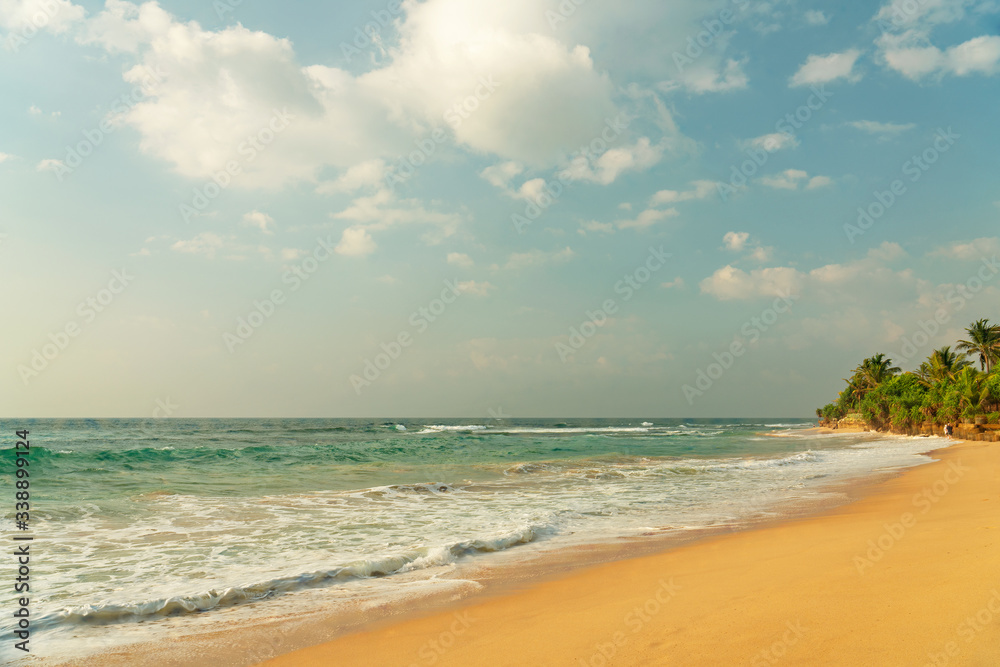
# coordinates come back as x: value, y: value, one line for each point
x: 890, y: 578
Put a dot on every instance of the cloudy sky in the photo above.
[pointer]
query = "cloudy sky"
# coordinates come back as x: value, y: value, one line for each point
x: 471, y: 208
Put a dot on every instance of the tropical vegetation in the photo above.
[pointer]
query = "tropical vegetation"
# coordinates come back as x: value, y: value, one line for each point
x: 960, y: 383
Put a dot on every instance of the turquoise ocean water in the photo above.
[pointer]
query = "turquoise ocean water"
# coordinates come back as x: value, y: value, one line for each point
x: 138, y: 522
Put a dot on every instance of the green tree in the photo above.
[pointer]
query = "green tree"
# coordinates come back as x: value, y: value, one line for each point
x: 984, y: 342
x: 941, y: 365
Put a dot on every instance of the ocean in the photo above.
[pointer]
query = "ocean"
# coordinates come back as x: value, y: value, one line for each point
x: 146, y: 528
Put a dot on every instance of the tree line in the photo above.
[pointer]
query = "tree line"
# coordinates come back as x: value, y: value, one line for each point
x: 952, y: 385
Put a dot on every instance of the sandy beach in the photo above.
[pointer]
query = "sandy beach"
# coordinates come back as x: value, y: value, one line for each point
x: 908, y: 575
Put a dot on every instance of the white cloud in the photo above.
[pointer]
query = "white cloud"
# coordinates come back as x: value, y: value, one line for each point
x: 701, y: 190
x: 826, y: 68
x: 34, y: 111
x: 368, y: 174
x: 596, y: 227
x: 538, y: 98
x: 771, y: 143
x: 842, y: 282
x: 50, y: 165
x: 475, y: 288
x: 383, y: 210
x: 792, y: 179
x: 260, y: 220
x: 884, y: 129
x: 905, y: 44
x: 789, y: 179
x: 735, y: 241
x: 460, y: 259
x: 17, y: 16
x: 5, y: 156
x: 355, y: 242
x: 703, y: 78
x: 819, y: 182
x: 676, y: 283
x: 521, y: 260
x: 816, y: 17
x: 761, y: 254
x: 291, y: 254
x: 206, y: 244
x: 605, y: 169
x: 739, y: 241
x: 972, y: 250
x: 729, y: 283
x: 648, y: 218
x: 500, y: 175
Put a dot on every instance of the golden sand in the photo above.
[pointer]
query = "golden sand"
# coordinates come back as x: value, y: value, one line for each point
x: 909, y: 575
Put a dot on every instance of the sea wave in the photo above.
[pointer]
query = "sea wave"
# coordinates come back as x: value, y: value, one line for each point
x: 107, y: 612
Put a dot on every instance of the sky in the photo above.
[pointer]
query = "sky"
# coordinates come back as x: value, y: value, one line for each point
x: 488, y: 210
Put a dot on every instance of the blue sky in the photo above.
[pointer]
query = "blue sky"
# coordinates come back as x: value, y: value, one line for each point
x: 496, y: 185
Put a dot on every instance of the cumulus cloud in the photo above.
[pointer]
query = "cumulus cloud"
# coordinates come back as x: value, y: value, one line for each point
x: 730, y: 283
x: 383, y: 210
x: 532, y: 258
x: 460, y: 259
x: 704, y: 78
x: 826, y: 68
x: 648, y: 218
x: 771, y: 143
x: 792, y: 179
x: 700, y: 190
x: 56, y: 16
x: 613, y: 162
x: 816, y: 17
x: 475, y: 288
x: 986, y: 246
x: 367, y: 174
x: 355, y: 242
x: 260, y: 220
x: 206, y: 244
x: 50, y: 165
x: 839, y: 281
x: 905, y: 44
x: 537, y: 99
x: 735, y: 241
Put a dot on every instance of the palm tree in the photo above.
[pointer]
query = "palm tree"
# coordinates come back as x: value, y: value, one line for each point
x: 984, y: 340
x: 942, y: 365
x: 873, y: 371
x: 973, y: 393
